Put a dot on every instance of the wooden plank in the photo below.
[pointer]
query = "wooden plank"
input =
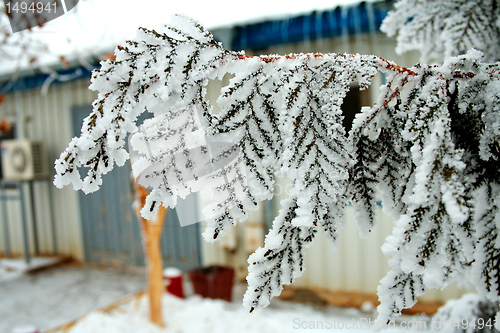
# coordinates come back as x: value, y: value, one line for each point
x: 115, y: 306
x: 351, y: 299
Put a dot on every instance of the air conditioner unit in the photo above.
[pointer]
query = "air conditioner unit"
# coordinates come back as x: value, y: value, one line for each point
x: 23, y: 160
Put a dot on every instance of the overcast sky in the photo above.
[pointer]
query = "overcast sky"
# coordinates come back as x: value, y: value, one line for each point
x: 99, y: 25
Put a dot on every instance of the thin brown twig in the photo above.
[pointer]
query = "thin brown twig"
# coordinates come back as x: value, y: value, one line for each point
x: 381, y: 62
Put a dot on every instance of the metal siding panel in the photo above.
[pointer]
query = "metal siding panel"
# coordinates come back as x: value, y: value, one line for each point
x: 87, y: 232
x: 11, y: 232
x: 212, y: 253
x: 353, y: 266
x: 125, y: 240
x: 98, y: 240
x: 116, y: 218
x: 314, y: 269
x: 42, y: 215
x: 48, y: 136
x: 14, y: 212
x: 334, y: 269
x: 39, y: 132
x: 108, y: 211
x: 138, y: 243
x: 4, y: 231
x: 190, y: 253
x: 113, y: 230
x: 59, y: 196
x: 66, y: 205
x: 373, y: 258
x: 170, y: 240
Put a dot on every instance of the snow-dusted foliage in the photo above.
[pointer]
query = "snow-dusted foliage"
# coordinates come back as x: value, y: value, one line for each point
x: 469, y: 314
x: 443, y: 28
x: 430, y: 147
x: 176, y: 160
x: 421, y: 147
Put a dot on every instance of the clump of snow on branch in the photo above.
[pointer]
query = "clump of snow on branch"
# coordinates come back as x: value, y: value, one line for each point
x: 421, y: 149
x: 469, y: 314
x: 444, y: 28
x: 430, y: 147
x: 176, y: 160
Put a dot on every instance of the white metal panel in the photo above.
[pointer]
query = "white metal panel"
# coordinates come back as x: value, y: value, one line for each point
x: 48, y: 118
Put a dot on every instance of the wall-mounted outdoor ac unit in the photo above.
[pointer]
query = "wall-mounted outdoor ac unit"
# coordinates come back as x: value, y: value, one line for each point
x: 23, y: 160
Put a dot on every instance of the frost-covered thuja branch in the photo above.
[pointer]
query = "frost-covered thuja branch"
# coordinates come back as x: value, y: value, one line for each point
x: 425, y: 151
x: 430, y: 147
x: 280, y: 261
x: 144, y: 75
x: 443, y: 28
x: 316, y: 157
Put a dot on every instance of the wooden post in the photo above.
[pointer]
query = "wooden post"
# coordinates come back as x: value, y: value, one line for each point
x: 151, y: 235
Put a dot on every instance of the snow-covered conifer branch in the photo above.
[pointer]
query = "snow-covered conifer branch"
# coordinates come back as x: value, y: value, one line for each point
x: 429, y: 146
x: 445, y: 28
x: 280, y: 261
x: 470, y: 308
x: 422, y: 149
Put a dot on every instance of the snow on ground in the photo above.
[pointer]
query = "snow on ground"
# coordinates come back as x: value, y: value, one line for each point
x: 10, y: 268
x: 7, y: 273
x: 52, y: 297
x: 49, y: 298
x: 197, y: 315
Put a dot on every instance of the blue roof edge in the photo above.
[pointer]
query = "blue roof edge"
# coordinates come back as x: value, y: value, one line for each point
x: 37, y: 80
x: 355, y: 19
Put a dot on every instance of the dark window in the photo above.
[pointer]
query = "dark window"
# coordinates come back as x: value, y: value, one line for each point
x: 353, y: 102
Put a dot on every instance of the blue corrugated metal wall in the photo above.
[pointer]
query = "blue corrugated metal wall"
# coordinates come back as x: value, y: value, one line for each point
x: 361, y: 18
x: 110, y: 228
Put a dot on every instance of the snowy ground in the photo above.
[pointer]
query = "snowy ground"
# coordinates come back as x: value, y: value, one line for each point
x: 197, y: 315
x: 58, y: 295
x: 12, y: 268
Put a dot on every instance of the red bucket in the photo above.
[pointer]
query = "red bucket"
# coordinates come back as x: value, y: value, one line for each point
x: 213, y: 281
x: 173, y: 281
